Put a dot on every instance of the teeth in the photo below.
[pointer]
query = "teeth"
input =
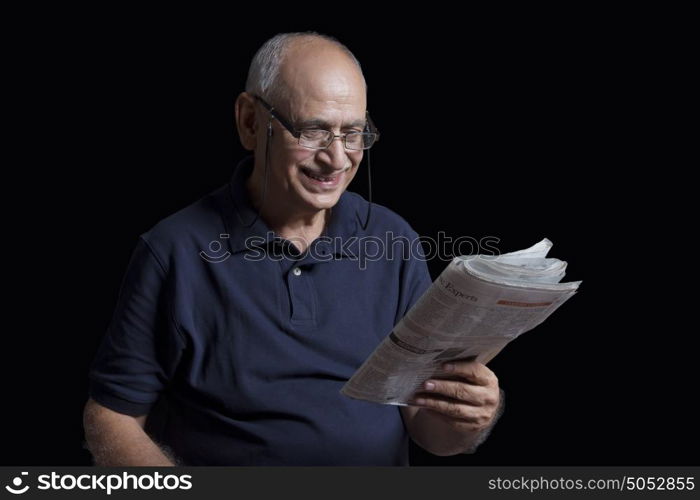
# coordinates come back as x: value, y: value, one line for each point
x: 318, y: 178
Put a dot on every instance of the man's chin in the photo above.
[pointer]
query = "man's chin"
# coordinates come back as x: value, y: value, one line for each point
x: 321, y: 202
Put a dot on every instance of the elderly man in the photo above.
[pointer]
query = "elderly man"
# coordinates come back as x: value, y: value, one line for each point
x: 243, y: 321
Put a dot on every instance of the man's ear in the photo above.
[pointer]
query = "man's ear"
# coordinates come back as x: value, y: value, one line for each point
x: 246, y: 122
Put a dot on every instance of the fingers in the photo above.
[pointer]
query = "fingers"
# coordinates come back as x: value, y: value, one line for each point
x: 473, y: 371
x: 458, y: 412
x: 470, y: 394
x: 474, y: 395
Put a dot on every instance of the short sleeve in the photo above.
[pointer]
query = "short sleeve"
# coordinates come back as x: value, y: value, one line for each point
x: 141, y: 348
x: 415, y: 278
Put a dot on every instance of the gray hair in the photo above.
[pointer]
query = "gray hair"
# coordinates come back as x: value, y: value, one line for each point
x: 265, y: 67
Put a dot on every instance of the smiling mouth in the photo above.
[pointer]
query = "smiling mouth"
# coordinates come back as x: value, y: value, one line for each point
x: 321, y: 178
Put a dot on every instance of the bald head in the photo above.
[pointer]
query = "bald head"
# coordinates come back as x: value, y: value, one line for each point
x: 279, y: 66
x: 318, y: 71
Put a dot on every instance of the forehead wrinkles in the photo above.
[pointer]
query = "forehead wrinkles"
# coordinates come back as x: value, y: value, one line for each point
x: 327, y: 115
x: 329, y: 103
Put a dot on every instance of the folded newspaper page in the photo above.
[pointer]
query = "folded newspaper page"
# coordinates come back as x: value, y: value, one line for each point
x: 475, y: 307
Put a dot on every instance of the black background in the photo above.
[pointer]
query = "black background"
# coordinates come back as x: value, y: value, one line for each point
x: 515, y: 132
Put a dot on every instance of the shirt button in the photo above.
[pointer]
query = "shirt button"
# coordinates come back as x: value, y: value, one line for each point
x: 296, y: 271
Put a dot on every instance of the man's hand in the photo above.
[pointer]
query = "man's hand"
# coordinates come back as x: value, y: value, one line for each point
x: 459, y: 407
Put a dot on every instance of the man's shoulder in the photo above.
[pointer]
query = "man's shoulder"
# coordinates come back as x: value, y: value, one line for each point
x: 189, y: 228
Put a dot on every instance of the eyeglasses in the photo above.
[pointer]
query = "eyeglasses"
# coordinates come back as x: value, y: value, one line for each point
x: 317, y: 138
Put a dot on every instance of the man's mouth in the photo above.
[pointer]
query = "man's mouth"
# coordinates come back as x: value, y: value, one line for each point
x: 325, y: 179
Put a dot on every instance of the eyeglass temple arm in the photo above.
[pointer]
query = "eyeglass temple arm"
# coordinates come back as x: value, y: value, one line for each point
x: 284, y: 122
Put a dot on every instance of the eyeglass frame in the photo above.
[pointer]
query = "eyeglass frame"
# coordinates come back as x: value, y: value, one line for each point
x: 369, y: 126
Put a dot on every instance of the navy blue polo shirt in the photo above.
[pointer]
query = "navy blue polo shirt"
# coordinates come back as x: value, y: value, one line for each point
x: 247, y: 342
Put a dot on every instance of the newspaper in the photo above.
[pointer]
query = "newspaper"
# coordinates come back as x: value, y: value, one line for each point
x: 475, y: 307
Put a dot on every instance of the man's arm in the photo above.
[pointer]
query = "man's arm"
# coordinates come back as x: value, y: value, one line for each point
x: 115, y: 439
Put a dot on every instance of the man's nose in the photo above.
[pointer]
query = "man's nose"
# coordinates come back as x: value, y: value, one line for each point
x: 337, y: 154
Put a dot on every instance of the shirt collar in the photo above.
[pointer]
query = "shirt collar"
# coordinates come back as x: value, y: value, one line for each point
x: 238, y: 212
